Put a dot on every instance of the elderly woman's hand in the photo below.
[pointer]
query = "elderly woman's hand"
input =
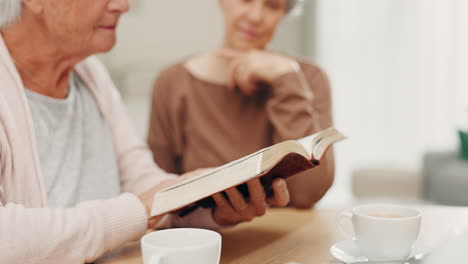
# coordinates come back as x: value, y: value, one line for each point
x: 234, y: 208
x: 249, y: 68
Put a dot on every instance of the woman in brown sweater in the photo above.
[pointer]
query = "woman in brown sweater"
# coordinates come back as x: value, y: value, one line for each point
x: 218, y: 106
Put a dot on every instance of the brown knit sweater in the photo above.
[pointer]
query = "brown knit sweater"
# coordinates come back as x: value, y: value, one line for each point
x: 199, y: 124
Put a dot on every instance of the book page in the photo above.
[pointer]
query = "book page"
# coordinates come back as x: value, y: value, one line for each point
x: 307, y: 143
x: 215, y: 170
x: 325, y: 138
x: 324, y: 143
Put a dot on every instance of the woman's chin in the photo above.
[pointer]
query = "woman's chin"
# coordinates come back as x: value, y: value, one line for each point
x: 105, y: 46
x: 243, y: 44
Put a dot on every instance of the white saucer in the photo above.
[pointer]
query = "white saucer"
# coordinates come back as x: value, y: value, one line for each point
x: 348, y: 252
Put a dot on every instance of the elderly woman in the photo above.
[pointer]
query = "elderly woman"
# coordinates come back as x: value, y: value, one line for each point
x: 220, y: 105
x: 75, y: 181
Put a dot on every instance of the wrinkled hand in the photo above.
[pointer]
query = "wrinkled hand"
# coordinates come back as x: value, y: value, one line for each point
x: 234, y: 209
x: 250, y: 67
x: 147, y: 197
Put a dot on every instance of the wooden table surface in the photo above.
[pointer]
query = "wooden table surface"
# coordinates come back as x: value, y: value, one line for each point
x: 301, y: 236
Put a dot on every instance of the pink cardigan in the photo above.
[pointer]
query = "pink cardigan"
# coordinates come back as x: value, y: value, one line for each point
x: 32, y: 233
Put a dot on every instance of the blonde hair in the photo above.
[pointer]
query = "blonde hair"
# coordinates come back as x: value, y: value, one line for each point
x: 10, y: 10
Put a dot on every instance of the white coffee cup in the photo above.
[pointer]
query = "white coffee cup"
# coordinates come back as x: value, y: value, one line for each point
x: 383, y: 232
x: 181, y: 246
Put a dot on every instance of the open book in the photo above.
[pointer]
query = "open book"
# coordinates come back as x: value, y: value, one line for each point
x: 280, y: 160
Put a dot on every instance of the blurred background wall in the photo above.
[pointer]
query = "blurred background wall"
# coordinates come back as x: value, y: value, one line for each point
x: 398, y: 69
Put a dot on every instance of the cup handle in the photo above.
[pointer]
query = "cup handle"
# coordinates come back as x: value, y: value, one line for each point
x: 156, y: 259
x: 339, y: 220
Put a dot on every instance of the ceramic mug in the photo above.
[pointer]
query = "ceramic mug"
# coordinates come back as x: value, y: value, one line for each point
x: 181, y: 246
x: 383, y: 232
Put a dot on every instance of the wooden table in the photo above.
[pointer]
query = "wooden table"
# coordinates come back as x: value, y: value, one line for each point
x: 287, y: 235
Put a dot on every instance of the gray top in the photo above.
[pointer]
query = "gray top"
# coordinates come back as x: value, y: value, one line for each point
x: 75, y: 147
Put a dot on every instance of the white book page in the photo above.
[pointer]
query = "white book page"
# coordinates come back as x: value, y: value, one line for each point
x: 311, y: 142
x: 215, y: 170
x: 306, y: 142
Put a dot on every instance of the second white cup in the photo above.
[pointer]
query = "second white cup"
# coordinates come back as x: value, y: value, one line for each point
x: 181, y: 246
x: 383, y: 232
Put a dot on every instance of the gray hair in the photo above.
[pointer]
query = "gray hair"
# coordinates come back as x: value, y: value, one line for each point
x: 294, y: 6
x: 10, y: 10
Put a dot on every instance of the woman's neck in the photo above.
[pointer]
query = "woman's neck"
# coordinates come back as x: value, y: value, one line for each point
x: 209, y: 67
x: 228, y: 44
x: 43, y: 66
